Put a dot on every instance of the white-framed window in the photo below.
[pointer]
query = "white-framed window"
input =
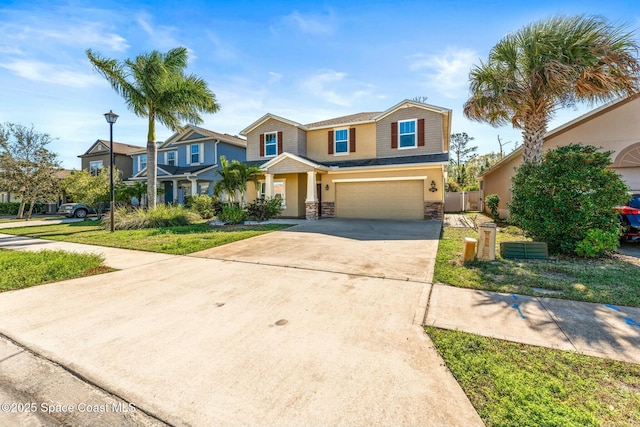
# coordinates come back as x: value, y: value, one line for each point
x: 194, y: 151
x: 407, y: 135
x: 95, y: 166
x: 171, y: 158
x: 271, y: 144
x: 143, y: 161
x: 341, y: 141
x: 279, y: 190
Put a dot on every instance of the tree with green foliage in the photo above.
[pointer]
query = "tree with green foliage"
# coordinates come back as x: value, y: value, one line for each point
x: 27, y: 168
x: 570, y: 192
x: 154, y: 85
x: 234, y: 178
x: 89, y: 189
x: 548, y: 65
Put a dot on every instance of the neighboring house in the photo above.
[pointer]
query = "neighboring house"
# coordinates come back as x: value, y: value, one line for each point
x: 188, y: 162
x: 97, y: 156
x: 613, y: 127
x: 388, y: 164
x: 62, y: 197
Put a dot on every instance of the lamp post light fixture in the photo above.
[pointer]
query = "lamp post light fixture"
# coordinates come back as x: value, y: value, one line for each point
x: 111, y: 119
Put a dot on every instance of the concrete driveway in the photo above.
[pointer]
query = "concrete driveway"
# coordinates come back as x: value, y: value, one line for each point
x: 403, y: 250
x: 244, y: 340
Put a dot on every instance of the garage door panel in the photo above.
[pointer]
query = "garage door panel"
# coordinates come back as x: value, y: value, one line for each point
x: 380, y: 199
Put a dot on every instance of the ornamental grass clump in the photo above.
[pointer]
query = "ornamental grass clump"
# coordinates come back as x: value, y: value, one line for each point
x: 158, y: 217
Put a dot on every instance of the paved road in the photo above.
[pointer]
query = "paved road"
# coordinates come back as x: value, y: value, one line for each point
x: 240, y: 340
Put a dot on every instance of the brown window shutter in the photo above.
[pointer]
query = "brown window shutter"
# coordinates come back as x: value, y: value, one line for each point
x: 352, y: 140
x: 262, y: 145
x: 279, y: 143
x: 330, y: 142
x: 420, y: 132
x: 394, y: 135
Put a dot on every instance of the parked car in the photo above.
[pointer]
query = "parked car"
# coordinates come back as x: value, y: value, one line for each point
x: 78, y: 210
x: 630, y: 219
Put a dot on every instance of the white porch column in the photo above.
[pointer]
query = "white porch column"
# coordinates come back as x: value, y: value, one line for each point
x: 194, y: 186
x: 311, y: 187
x: 268, y: 185
x: 175, y: 190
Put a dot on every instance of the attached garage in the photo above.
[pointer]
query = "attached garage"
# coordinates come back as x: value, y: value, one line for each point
x: 397, y: 199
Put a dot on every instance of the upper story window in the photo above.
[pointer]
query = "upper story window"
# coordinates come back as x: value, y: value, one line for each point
x: 94, y: 167
x: 407, y: 134
x: 342, y: 141
x: 143, y: 161
x: 195, y: 153
x: 171, y: 158
x: 270, y: 144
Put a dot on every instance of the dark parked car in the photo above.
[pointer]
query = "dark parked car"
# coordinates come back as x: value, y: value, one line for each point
x: 78, y: 210
x: 630, y: 219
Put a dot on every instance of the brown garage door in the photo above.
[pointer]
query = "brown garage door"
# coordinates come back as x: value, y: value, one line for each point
x: 380, y: 199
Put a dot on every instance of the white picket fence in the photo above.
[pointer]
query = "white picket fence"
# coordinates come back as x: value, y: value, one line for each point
x: 462, y: 201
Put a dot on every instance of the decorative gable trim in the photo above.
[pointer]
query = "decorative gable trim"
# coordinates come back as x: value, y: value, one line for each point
x: 266, y: 117
x: 284, y: 156
x: 408, y: 103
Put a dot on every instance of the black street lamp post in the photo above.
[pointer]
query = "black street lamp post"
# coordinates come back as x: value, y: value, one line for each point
x: 111, y: 119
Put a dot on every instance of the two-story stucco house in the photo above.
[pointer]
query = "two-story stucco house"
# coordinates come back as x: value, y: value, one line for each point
x: 388, y: 164
x: 97, y: 156
x: 187, y: 162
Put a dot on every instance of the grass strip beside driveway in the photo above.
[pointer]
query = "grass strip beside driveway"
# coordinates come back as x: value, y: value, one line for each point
x: 605, y: 280
x: 21, y: 269
x: 171, y: 240
x: 519, y: 385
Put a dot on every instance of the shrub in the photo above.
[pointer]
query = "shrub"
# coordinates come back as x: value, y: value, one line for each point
x: 158, y: 217
x: 11, y: 208
x: 597, y: 243
x: 233, y: 214
x: 492, y: 201
x: 203, y: 205
x: 568, y: 193
x: 264, y: 209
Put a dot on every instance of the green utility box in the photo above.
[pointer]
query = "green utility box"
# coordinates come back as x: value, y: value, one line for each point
x: 525, y: 250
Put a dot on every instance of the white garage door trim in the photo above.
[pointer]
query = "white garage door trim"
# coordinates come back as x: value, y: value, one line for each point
x: 397, y: 178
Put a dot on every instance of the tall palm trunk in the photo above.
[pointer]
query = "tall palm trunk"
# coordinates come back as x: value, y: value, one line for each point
x: 535, y: 127
x: 152, y: 155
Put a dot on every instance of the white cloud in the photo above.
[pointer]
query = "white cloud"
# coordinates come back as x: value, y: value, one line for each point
x: 447, y: 72
x: 332, y: 87
x: 161, y: 36
x: 311, y: 24
x: 51, y: 73
x: 221, y: 50
x: 274, y: 77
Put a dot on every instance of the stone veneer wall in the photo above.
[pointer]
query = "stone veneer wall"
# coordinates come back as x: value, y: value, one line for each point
x: 312, y: 210
x: 328, y: 210
x: 433, y: 210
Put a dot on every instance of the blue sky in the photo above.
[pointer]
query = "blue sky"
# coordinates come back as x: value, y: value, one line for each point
x: 306, y: 61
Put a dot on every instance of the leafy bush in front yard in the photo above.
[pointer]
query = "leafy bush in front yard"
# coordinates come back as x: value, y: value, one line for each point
x: 492, y: 201
x: 11, y: 208
x: 232, y: 214
x: 160, y: 216
x: 568, y: 193
x: 205, y: 206
x: 264, y: 209
x: 596, y: 243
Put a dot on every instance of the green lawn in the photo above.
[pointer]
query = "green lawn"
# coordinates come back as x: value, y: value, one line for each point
x: 518, y: 385
x: 172, y: 240
x: 24, y: 269
x: 606, y: 280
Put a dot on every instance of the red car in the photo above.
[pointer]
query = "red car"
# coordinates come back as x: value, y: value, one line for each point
x: 630, y: 219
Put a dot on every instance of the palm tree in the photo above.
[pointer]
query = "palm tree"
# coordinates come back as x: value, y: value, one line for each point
x: 549, y: 65
x: 234, y: 178
x: 155, y: 86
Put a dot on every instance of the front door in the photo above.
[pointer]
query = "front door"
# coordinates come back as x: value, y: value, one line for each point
x: 319, y: 196
x: 168, y: 192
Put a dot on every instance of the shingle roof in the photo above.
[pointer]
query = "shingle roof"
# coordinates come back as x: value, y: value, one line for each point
x: 118, y: 148
x: 223, y: 136
x: 351, y: 118
x: 382, y: 161
x: 179, y: 170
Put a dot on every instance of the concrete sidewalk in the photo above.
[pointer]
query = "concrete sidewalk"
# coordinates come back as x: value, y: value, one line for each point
x: 114, y: 257
x: 602, y: 330
x: 36, y: 222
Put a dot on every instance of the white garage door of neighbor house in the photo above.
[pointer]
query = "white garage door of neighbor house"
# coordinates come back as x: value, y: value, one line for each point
x: 380, y: 199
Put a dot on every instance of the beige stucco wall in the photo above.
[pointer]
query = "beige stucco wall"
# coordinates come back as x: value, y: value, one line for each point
x: 290, y: 134
x: 613, y: 130
x: 317, y: 143
x: 433, y: 133
x: 434, y: 173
